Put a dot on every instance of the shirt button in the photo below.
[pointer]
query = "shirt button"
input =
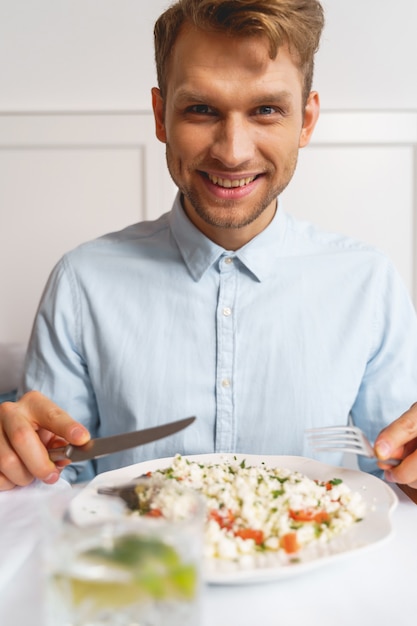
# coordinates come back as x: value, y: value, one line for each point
x: 227, y: 311
x: 226, y: 383
x: 228, y: 260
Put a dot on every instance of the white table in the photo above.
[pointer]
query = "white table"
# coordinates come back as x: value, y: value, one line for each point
x: 375, y: 587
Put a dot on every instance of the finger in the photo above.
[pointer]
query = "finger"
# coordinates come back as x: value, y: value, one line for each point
x: 392, y: 439
x: 44, y: 413
x: 12, y: 470
x: 26, y: 459
x: 405, y: 473
x: 6, y: 484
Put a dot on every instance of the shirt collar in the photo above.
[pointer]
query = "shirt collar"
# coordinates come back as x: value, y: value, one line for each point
x: 200, y: 253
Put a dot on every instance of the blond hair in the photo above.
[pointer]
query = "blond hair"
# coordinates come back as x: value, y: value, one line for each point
x: 297, y: 23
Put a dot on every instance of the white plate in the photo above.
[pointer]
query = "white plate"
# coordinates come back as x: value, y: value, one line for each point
x: 90, y: 507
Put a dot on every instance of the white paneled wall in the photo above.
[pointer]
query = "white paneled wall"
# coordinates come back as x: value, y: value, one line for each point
x: 358, y: 177
x: 67, y: 179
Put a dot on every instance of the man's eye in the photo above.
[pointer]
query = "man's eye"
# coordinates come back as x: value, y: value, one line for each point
x: 201, y: 109
x: 266, y: 110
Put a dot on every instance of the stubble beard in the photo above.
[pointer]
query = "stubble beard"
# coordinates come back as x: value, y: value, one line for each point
x: 225, y: 214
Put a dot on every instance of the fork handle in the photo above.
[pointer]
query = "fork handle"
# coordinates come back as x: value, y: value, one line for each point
x: 391, y: 462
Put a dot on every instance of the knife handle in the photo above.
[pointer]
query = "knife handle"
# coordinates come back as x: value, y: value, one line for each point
x: 60, y: 454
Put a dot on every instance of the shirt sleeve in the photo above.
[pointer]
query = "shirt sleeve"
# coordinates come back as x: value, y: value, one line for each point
x: 389, y: 383
x: 55, y: 363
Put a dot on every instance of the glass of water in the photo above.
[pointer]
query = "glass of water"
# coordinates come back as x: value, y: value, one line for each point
x: 136, y: 569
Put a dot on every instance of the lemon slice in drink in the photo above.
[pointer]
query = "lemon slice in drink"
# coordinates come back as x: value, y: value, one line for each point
x: 131, y: 569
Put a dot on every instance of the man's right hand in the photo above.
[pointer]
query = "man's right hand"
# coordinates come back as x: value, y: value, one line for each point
x: 28, y: 428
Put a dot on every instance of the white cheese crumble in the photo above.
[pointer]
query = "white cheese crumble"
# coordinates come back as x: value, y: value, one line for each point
x: 257, y: 510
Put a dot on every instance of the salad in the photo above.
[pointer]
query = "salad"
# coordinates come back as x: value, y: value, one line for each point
x: 256, y: 513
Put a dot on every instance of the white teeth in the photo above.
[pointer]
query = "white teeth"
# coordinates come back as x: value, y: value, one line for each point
x: 228, y: 184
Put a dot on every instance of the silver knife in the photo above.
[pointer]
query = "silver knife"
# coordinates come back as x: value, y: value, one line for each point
x: 103, y: 446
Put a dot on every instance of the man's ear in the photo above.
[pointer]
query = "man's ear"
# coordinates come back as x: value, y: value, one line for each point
x: 158, y: 111
x: 311, y: 115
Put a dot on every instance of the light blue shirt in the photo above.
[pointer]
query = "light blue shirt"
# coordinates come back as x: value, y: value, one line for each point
x: 297, y: 329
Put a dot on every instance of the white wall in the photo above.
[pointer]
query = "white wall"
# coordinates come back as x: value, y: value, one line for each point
x: 67, y: 178
x: 368, y: 54
x: 83, y: 55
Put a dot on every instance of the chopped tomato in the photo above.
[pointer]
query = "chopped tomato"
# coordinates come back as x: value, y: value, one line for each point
x: 328, y: 484
x: 250, y: 533
x: 321, y: 517
x: 289, y: 543
x: 224, y: 518
x: 309, y: 515
x: 154, y: 513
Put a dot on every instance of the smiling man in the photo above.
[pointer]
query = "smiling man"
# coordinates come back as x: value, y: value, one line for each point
x: 233, y: 115
x: 226, y: 307
x: 232, y: 151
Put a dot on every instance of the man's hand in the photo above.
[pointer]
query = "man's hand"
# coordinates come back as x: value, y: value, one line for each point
x: 28, y: 428
x: 399, y: 440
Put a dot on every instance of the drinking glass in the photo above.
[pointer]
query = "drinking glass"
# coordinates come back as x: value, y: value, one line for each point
x: 130, y: 570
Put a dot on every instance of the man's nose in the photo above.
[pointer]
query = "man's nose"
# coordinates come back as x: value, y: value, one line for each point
x: 233, y: 144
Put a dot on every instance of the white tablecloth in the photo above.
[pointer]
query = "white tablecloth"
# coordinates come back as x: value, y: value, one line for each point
x: 22, y: 523
x: 373, y: 587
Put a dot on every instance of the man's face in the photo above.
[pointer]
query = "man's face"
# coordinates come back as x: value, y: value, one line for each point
x: 233, y: 122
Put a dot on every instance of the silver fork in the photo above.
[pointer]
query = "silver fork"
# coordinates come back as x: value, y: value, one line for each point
x: 343, y: 439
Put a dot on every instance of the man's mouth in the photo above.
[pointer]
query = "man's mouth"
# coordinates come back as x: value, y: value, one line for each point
x: 228, y: 183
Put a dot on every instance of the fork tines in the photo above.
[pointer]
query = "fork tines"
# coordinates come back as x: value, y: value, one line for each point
x: 339, y: 438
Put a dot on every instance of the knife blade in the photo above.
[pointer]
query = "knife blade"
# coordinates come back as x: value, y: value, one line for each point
x: 102, y: 446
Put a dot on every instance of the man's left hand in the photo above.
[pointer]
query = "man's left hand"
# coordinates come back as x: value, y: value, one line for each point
x: 399, y: 441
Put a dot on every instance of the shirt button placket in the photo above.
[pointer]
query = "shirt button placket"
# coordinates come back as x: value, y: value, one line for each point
x: 225, y: 431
